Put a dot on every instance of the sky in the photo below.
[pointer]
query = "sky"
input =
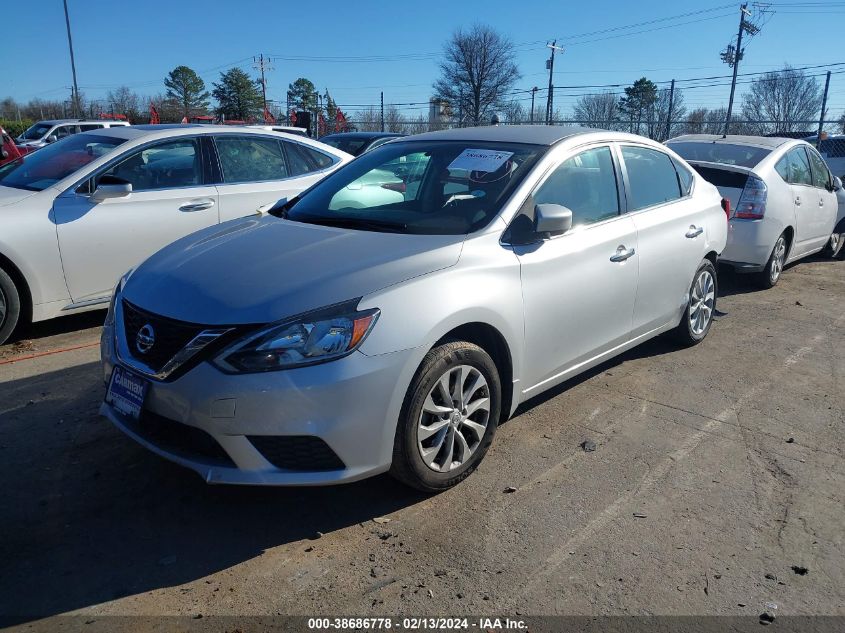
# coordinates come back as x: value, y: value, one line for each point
x: 358, y: 49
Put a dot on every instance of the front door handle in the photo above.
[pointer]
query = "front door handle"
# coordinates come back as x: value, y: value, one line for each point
x: 798, y: 201
x: 622, y: 254
x: 694, y: 232
x: 821, y: 202
x: 197, y: 205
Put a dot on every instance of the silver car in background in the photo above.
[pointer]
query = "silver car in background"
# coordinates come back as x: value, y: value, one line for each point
x: 338, y: 338
x: 782, y: 194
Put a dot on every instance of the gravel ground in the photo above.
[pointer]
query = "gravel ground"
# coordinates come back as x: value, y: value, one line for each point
x: 718, y: 472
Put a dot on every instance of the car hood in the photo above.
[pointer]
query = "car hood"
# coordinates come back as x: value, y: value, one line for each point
x: 10, y: 195
x: 260, y: 270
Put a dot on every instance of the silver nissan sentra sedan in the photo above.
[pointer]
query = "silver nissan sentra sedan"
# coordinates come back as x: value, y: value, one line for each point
x: 391, y: 316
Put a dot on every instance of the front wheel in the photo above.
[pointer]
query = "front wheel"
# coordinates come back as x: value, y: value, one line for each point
x: 448, y: 418
x: 701, y: 304
x: 10, y: 306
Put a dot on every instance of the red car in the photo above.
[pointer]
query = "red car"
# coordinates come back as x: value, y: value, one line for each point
x: 8, y: 150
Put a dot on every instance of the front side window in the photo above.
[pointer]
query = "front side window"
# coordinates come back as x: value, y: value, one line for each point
x: 55, y: 162
x: 167, y: 165
x: 652, y: 178
x: 799, y: 167
x: 64, y: 130
x: 433, y: 187
x: 585, y: 184
x: 251, y: 159
x: 821, y: 175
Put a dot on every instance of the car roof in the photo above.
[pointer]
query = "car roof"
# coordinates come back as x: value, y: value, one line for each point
x: 770, y: 142
x: 365, y: 135
x: 531, y: 134
x: 86, y: 121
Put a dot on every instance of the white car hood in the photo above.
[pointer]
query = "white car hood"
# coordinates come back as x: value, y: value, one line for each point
x: 11, y: 195
x: 260, y: 270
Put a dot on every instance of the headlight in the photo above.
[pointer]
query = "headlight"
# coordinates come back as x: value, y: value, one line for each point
x: 312, y: 338
x: 117, y: 290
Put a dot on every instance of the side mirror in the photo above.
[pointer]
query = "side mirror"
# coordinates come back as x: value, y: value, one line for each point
x: 111, y: 187
x: 552, y: 219
x: 837, y: 183
x: 52, y: 138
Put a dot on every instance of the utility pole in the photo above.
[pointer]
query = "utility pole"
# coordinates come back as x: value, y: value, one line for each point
x: 533, y: 92
x: 824, y: 107
x: 669, y: 113
x: 261, y: 64
x: 75, y: 95
x: 550, y: 64
x: 382, y: 110
x: 732, y: 56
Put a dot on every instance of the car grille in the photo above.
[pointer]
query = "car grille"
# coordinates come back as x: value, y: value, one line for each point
x: 180, y: 439
x: 170, y: 335
x: 297, y: 452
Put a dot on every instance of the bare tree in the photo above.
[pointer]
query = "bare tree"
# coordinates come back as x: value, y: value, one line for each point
x: 477, y: 71
x: 783, y: 101
x: 842, y: 123
x: 659, y: 117
x: 393, y: 119
x: 368, y: 120
x: 597, y: 110
x: 124, y: 101
x: 513, y: 113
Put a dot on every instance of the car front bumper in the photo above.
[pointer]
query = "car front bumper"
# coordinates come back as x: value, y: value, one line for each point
x: 351, y: 404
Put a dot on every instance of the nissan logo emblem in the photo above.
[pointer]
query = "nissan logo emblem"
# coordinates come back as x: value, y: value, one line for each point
x: 145, y: 339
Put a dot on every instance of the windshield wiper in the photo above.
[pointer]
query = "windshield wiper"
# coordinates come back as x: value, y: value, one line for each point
x: 366, y: 224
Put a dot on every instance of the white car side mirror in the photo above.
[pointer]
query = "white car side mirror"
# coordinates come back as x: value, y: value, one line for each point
x: 111, y: 187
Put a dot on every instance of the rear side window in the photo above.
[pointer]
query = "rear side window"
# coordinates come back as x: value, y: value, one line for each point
x: 821, y: 175
x: 585, y: 184
x: 799, y: 167
x: 317, y: 160
x: 250, y: 159
x: 685, y: 176
x: 652, y: 178
x: 90, y: 127
x: 298, y: 159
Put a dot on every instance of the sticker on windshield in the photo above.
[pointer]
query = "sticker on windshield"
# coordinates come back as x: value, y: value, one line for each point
x: 484, y: 160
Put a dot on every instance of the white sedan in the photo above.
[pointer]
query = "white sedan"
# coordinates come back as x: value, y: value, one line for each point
x: 782, y: 196
x: 84, y: 210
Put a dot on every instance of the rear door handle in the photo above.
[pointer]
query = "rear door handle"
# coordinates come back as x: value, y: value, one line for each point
x: 821, y: 202
x: 622, y: 254
x: 798, y: 200
x: 197, y: 205
x: 694, y: 232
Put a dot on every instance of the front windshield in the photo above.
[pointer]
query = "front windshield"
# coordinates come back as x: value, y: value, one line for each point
x: 35, y: 132
x: 432, y: 188
x: 48, y: 166
x: 724, y: 153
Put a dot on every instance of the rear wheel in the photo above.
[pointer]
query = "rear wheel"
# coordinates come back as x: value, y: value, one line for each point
x: 448, y: 418
x: 768, y: 277
x: 834, y: 245
x: 10, y: 306
x: 701, y: 305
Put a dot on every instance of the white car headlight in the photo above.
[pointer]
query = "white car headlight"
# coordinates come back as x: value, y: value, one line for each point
x: 316, y: 337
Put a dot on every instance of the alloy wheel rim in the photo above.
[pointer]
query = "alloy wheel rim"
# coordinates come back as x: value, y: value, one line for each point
x: 778, y: 258
x: 702, y: 302
x: 454, y: 418
x: 2, y: 308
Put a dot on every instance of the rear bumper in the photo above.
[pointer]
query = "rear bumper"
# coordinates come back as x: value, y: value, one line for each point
x: 750, y: 243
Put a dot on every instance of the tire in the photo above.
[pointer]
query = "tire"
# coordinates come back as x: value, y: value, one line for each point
x: 701, y: 305
x: 769, y: 276
x: 834, y: 246
x: 10, y: 306
x: 431, y: 422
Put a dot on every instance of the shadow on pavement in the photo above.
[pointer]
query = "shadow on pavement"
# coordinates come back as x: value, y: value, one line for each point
x: 89, y: 516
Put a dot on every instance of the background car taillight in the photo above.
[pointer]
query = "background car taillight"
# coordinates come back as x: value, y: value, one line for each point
x: 726, y: 207
x: 752, y: 202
